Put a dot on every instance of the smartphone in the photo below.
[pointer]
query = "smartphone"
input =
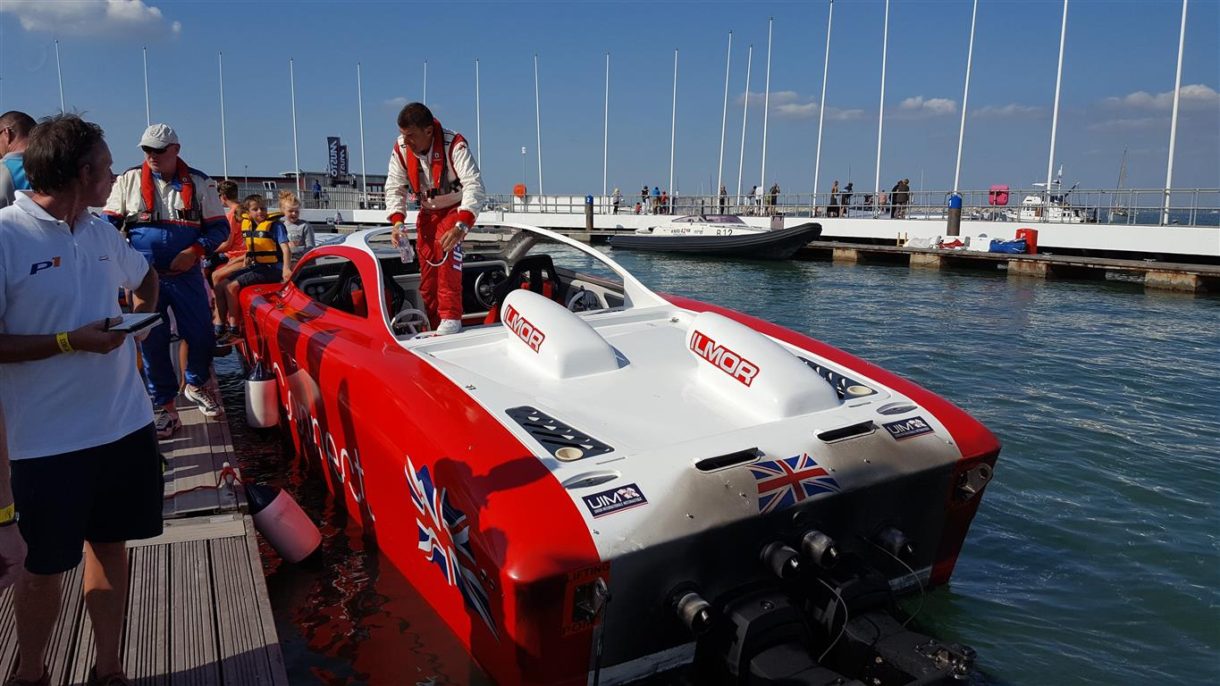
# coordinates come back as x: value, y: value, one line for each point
x: 132, y: 323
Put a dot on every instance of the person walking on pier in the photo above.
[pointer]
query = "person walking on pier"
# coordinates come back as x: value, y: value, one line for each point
x: 832, y: 210
x: 14, y: 135
x: 617, y: 198
x: 723, y: 198
x: 436, y: 165
x: 173, y: 216
x: 86, y: 472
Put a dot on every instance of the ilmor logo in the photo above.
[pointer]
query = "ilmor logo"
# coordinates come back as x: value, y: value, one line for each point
x: 615, y: 500
x: 724, y: 359
x: 522, y: 327
x: 908, y: 428
x: 45, y: 264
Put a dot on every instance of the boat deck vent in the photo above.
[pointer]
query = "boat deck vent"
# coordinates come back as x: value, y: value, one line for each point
x: 846, y: 387
x: 563, y: 441
x: 711, y: 464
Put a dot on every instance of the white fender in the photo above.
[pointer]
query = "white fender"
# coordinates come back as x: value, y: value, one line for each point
x: 262, y: 400
x: 283, y: 523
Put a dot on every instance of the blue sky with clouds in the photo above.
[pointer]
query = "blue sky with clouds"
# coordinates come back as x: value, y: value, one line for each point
x: 1117, y: 85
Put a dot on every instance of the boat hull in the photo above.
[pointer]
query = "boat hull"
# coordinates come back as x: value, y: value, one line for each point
x: 768, y: 245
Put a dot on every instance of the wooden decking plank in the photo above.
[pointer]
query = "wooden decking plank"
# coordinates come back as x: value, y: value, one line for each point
x: 146, y: 634
x: 221, y: 444
x: 190, y: 467
x: 262, y: 599
x: 61, y: 649
x: 242, y: 643
x: 192, y: 628
x: 195, y: 529
x: 8, y: 632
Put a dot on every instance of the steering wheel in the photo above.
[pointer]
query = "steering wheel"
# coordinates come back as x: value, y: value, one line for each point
x: 409, y: 321
x: 485, y: 287
x: 582, y: 300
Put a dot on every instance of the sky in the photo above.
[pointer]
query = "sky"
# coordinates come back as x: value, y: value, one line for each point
x: 1118, y: 81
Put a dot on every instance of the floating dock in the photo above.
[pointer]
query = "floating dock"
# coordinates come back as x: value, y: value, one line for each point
x: 198, y: 610
x: 1172, y: 276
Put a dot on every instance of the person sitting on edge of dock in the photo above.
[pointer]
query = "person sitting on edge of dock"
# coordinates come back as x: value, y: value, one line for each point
x: 86, y: 470
x: 268, y: 259
x: 437, y: 165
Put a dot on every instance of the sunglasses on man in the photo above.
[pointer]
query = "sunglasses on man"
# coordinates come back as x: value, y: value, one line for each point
x: 153, y: 151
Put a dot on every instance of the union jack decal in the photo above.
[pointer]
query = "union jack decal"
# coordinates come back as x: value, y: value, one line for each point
x: 444, y: 539
x: 784, y: 483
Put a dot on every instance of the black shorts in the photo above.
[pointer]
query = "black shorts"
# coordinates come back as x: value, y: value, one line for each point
x: 105, y: 494
x: 258, y: 274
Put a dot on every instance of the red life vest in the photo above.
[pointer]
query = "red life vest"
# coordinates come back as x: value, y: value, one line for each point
x: 441, y: 163
x: 148, y: 190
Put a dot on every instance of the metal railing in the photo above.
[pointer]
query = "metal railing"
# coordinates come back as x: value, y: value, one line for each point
x: 1188, y: 207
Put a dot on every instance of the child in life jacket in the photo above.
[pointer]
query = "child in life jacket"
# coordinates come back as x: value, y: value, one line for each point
x: 267, y: 260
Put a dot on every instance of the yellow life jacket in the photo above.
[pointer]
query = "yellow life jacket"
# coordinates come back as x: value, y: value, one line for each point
x: 260, y: 240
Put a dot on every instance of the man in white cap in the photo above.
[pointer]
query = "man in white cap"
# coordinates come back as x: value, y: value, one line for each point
x: 173, y: 216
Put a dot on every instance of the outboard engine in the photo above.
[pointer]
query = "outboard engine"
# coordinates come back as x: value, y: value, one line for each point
x: 819, y: 615
x: 262, y: 398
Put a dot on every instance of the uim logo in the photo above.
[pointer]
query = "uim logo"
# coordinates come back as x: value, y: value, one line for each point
x: 615, y: 500
x: 523, y: 328
x: 723, y: 359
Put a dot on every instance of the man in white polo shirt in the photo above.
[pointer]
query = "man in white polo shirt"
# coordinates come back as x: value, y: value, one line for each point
x: 85, y: 468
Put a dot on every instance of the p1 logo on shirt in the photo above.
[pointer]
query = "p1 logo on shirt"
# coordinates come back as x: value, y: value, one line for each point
x: 45, y: 264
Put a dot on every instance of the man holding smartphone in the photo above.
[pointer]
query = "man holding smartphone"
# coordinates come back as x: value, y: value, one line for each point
x: 86, y: 472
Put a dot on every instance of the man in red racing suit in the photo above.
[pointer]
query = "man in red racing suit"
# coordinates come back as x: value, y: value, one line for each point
x: 435, y: 165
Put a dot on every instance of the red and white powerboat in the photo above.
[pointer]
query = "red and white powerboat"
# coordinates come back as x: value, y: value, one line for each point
x: 594, y: 482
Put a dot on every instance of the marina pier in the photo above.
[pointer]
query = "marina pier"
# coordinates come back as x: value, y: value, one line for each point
x: 198, y: 611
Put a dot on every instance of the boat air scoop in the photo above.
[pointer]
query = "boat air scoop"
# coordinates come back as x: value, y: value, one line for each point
x: 262, y: 398
x: 280, y: 520
x: 544, y: 336
x: 755, y: 374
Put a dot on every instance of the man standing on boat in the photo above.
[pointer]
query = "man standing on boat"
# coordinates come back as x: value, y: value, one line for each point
x: 436, y: 165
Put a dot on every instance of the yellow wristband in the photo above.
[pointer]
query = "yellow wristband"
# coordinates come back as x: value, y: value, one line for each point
x: 62, y: 339
x: 8, y: 514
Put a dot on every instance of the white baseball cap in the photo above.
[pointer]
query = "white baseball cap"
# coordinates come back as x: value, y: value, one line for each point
x: 158, y: 136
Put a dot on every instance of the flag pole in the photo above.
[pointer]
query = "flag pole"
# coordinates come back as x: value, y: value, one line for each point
x: 745, y: 111
x: 961, y: 132
x: 1050, y: 163
x: 147, y: 108
x: 885, y: 41
x: 224, y: 144
x: 538, y: 122
x: 1173, y: 121
x: 60, y: 73
x: 606, y: 130
x: 296, y: 158
x: 425, y: 100
x: 817, y: 157
x: 364, y: 172
x: 673, y: 128
x: 766, y: 106
x: 724, y: 115
x: 478, y: 118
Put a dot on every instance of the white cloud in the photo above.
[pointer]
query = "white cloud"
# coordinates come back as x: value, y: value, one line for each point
x: 397, y: 103
x: 130, y: 18
x: 931, y: 107
x: 1128, y: 124
x: 1012, y: 109
x: 1193, y: 96
x: 791, y: 105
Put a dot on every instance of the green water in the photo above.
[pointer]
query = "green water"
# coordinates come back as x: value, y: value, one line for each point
x: 1095, y: 557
